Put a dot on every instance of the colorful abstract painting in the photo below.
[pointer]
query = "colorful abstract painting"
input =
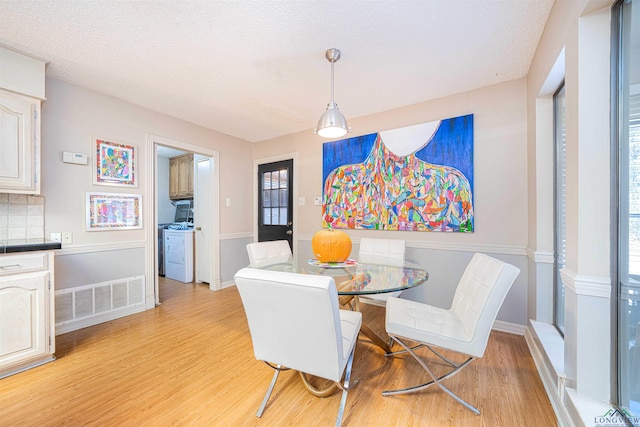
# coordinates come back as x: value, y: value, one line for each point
x: 114, y: 164
x: 417, y: 178
x: 109, y: 211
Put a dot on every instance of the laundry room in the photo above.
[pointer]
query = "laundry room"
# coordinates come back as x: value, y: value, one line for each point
x: 175, y: 209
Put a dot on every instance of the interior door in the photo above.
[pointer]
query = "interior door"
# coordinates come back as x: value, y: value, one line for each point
x: 275, y: 201
x: 203, y: 206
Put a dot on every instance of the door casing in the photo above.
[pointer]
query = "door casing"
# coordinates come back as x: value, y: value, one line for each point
x: 278, y: 231
x: 203, y: 234
x: 151, y: 216
x: 272, y: 159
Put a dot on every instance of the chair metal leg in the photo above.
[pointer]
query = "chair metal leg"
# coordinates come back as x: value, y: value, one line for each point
x: 266, y: 397
x: 433, y: 350
x: 395, y: 353
x: 345, y: 388
x: 436, y: 380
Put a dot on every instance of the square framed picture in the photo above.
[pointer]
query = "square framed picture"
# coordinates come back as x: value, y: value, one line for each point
x: 110, y: 211
x: 115, y: 163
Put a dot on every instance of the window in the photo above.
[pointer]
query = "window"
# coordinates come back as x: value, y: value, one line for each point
x: 627, y: 248
x: 275, y: 197
x: 560, y: 205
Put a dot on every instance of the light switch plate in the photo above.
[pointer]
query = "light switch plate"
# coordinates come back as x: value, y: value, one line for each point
x: 317, y: 201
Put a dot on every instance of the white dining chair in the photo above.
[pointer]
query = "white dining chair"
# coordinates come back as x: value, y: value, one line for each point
x: 267, y: 253
x: 388, y: 252
x: 463, y: 328
x: 295, y: 323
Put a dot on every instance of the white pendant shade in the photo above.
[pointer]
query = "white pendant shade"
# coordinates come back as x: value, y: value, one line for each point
x: 332, y: 123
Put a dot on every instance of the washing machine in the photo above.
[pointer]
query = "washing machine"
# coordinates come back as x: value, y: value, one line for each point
x: 178, y: 255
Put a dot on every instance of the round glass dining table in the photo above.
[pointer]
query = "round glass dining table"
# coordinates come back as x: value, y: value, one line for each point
x: 355, y: 278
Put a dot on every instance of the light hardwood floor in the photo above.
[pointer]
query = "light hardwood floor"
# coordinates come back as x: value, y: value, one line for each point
x: 189, y: 362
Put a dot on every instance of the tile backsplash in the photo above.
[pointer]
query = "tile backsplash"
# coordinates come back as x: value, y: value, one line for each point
x: 21, y: 217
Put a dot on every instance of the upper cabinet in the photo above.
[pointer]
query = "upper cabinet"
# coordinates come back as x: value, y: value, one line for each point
x: 181, y: 177
x: 21, y: 94
x: 19, y: 144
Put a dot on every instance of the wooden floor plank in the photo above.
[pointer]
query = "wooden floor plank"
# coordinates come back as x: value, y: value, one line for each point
x: 189, y: 362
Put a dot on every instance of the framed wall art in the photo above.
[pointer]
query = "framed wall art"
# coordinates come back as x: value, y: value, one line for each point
x: 416, y: 178
x: 110, y: 211
x: 115, y: 163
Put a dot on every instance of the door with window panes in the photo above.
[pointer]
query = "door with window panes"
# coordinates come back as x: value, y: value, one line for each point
x: 275, y: 201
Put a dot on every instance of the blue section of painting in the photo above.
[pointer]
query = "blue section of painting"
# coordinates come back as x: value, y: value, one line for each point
x: 345, y: 151
x: 452, y: 145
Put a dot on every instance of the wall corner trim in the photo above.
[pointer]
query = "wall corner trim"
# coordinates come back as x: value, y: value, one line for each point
x: 540, y: 257
x: 99, y: 247
x: 593, y: 286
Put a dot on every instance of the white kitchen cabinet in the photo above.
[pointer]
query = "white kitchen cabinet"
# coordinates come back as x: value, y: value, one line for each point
x: 27, y: 325
x: 181, y: 177
x: 22, y: 80
x: 19, y: 143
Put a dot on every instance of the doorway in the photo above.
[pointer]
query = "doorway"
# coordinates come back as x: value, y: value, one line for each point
x: 275, y: 201
x: 205, y: 194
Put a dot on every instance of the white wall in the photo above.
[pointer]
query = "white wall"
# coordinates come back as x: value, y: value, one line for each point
x: 166, y: 210
x: 578, y: 35
x: 499, y: 155
x: 71, y: 116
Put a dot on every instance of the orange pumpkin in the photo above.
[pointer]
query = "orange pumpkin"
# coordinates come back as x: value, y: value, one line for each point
x: 331, y: 245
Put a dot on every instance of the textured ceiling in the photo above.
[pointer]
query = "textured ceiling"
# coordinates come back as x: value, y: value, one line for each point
x: 256, y: 69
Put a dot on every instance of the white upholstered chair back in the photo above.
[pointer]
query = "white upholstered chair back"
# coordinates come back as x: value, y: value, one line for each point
x: 294, y: 321
x: 381, y: 251
x: 263, y: 253
x: 479, y: 296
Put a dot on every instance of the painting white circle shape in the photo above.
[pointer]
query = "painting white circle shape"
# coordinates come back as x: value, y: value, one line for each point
x: 408, y: 140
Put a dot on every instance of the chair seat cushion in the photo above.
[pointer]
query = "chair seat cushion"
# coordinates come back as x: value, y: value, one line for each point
x: 427, y: 324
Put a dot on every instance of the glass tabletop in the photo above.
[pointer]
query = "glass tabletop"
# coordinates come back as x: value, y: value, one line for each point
x: 353, y: 278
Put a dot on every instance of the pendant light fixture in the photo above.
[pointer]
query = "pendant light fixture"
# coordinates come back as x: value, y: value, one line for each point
x: 332, y: 123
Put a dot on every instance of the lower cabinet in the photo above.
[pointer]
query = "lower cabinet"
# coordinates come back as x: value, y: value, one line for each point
x: 27, y: 325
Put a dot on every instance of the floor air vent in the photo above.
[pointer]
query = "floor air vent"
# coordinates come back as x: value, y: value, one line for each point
x: 89, y: 305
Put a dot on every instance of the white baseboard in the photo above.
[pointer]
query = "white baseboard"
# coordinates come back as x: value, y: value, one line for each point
x: 232, y: 236
x: 512, y: 328
x: 363, y: 299
x: 227, y: 284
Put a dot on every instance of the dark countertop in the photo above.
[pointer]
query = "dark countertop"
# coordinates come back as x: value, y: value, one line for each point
x: 25, y: 245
